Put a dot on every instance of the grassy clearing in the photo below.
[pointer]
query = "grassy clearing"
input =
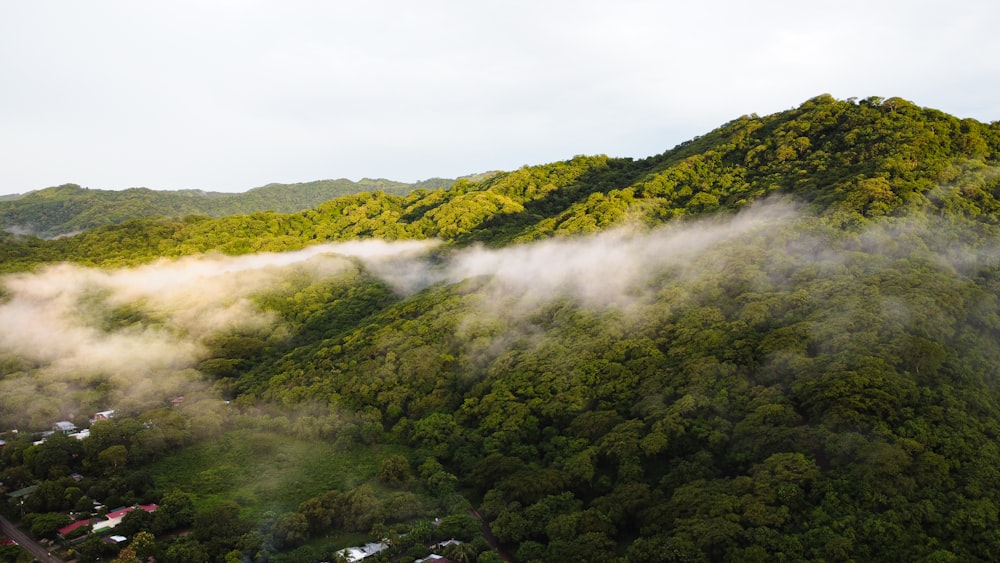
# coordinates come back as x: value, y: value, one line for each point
x: 266, y: 471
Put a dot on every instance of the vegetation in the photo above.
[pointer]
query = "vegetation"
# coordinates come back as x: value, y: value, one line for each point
x: 68, y: 209
x: 776, y: 342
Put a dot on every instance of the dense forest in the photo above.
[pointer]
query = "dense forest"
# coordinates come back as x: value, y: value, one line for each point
x: 70, y: 209
x: 774, y: 342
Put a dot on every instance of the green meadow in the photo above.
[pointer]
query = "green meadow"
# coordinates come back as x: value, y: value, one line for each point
x: 267, y: 471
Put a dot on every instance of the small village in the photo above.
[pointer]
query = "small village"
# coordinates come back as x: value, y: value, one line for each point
x: 102, y: 522
x: 79, y: 530
x: 99, y: 520
x: 361, y: 553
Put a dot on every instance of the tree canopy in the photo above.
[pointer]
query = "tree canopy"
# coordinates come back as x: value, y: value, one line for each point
x: 777, y: 341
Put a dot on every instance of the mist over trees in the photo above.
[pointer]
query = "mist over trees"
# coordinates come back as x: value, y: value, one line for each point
x: 777, y: 341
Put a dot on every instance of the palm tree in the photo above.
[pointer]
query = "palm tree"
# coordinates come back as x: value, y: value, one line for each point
x: 460, y: 552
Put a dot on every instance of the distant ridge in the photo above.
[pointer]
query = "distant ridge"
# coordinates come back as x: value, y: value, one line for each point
x: 69, y: 208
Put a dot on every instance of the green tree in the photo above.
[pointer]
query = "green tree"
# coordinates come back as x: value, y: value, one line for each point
x: 176, y: 510
x: 394, y: 470
x: 186, y: 550
x: 489, y: 557
x: 50, y: 496
x: 144, y: 545
x: 220, y: 523
x: 135, y: 522
x: 290, y: 530
x: 114, y: 457
x: 126, y: 555
x: 91, y: 549
x: 47, y: 523
x: 56, y: 457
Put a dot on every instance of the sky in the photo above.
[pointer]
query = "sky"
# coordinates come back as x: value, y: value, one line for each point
x: 228, y: 95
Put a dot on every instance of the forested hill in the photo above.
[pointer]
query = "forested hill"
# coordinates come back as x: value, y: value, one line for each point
x: 70, y: 209
x: 776, y: 342
x: 852, y: 160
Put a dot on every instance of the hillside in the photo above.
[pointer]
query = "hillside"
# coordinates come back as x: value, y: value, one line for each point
x: 69, y: 209
x: 777, y: 341
x: 853, y: 160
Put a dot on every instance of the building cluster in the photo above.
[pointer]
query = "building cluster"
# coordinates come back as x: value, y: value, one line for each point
x: 434, y: 557
x: 354, y: 554
x: 70, y: 429
x: 100, y: 525
x: 360, y: 553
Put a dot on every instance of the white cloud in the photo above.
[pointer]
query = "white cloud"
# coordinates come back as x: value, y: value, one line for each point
x: 53, y: 322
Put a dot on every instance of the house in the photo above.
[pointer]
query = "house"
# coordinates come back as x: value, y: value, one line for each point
x: 21, y: 493
x: 353, y: 554
x: 102, y: 415
x: 115, y: 516
x: 64, y: 427
x: 65, y: 531
x: 433, y: 558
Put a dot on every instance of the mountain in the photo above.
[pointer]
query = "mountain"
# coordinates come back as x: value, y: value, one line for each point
x: 856, y: 161
x: 777, y: 341
x: 67, y: 209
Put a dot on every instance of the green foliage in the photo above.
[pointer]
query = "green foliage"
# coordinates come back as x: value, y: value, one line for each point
x: 185, y: 550
x: 69, y: 209
x: 45, y: 524
x: 13, y: 554
x: 724, y: 425
x: 263, y: 470
x: 290, y: 530
x: 56, y: 457
x: 824, y: 389
x: 852, y: 162
x: 219, y: 527
x: 113, y: 457
x: 394, y: 470
x: 176, y: 510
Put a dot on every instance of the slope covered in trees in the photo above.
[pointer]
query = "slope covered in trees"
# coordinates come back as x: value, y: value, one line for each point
x: 777, y: 341
x: 846, y: 159
x: 69, y: 209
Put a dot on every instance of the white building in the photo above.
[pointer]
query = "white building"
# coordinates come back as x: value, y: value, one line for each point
x: 353, y: 554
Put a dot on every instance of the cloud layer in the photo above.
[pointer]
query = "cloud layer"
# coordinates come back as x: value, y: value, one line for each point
x: 61, y: 347
x: 72, y: 336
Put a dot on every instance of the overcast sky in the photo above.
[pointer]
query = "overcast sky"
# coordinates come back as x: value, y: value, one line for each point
x: 228, y: 95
